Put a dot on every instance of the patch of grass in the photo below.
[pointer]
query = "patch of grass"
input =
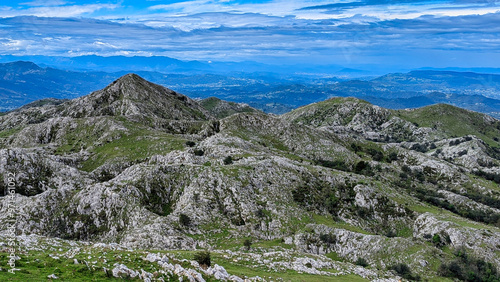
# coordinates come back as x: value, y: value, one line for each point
x: 9, y: 132
x: 320, y: 219
x: 454, y: 122
x: 334, y: 256
x: 133, y: 147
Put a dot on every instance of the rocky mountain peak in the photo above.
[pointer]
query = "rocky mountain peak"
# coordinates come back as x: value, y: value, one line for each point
x: 131, y: 95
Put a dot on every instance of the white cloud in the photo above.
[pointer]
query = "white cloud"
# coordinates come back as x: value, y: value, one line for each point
x: 58, y: 11
x: 44, y: 3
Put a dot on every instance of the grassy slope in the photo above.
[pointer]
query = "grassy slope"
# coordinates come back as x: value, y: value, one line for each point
x: 453, y: 121
x: 37, y: 265
x: 138, y: 143
x: 211, y: 104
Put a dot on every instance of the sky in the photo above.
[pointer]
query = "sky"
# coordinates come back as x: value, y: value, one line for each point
x: 351, y: 33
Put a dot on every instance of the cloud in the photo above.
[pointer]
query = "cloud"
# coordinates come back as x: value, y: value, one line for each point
x: 44, y: 3
x: 357, y: 32
x: 56, y: 9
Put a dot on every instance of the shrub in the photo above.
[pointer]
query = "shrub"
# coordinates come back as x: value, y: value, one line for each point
x: 406, y: 169
x: 203, y: 258
x: 393, y: 156
x: 468, y: 268
x: 190, y: 143
x: 404, y: 271
x: 247, y: 243
x: 355, y: 147
x: 419, y: 147
x: 228, y: 160
x: 260, y: 213
x: 362, y: 262
x: 199, y: 152
x: 328, y: 238
x: 436, y: 240
x: 309, y: 265
x: 376, y: 154
x: 184, y: 219
x: 337, y: 164
x: 391, y: 234
x: 363, y: 167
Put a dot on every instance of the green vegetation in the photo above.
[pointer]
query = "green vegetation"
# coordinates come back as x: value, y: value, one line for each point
x: 9, y: 132
x: 203, y: 258
x: 404, y: 271
x: 222, y: 109
x: 134, y: 147
x: 228, y: 160
x: 199, y: 152
x: 184, y: 220
x: 362, y: 262
x: 453, y: 122
x: 466, y: 267
x: 247, y: 243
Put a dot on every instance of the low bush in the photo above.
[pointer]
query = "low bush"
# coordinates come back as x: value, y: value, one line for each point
x: 203, y: 258
x: 468, y: 268
x: 404, y: 271
x: 184, y: 219
x: 361, y: 262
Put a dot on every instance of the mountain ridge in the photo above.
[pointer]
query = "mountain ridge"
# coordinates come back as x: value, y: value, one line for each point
x: 272, y: 93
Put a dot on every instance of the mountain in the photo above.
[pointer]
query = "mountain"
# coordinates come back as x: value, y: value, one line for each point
x: 24, y: 82
x: 472, y: 102
x: 133, y: 180
x: 452, y: 82
x: 222, y: 109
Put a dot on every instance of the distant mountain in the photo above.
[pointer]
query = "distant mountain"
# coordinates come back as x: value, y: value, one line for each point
x: 24, y: 82
x: 170, y: 65
x: 422, y: 81
x: 476, y: 103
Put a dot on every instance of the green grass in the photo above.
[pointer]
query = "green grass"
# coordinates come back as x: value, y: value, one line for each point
x: 9, y: 132
x: 134, y: 147
x: 244, y: 268
x: 36, y: 266
x: 319, y: 219
x: 453, y: 121
x: 334, y: 256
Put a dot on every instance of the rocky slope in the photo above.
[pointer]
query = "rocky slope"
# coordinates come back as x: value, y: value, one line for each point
x: 359, y: 189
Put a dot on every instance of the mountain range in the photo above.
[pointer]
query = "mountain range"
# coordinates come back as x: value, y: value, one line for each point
x: 24, y: 82
x: 132, y: 181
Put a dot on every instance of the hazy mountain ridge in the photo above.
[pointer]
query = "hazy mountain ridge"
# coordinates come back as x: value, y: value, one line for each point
x: 270, y: 92
x: 340, y: 179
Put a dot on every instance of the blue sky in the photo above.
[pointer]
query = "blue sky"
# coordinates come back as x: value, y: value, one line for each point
x: 352, y: 33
